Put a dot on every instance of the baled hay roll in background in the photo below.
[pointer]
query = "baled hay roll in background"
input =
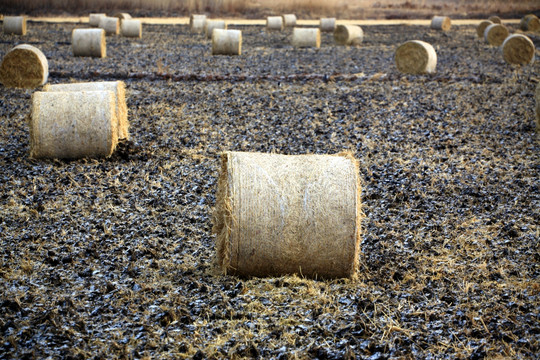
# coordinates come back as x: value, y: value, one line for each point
x: 117, y: 87
x: 482, y: 27
x: 131, y: 28
x: 530, y: 22
x: 122, y: 16
x: 226, y: 42
x: 274, y: 23
x: 348, y: 35
x: 495, y: 19
x: 518, y: 49
x: 196, y: 23
x: 289, y: 20
x: 495, y: 34
x: 111, y: 25
x: 93, y: 19
x: 328, y: 24
x: 15, y: 25
x: 73, y: 125
x: 306, y: 37
x: 213, y: 24
x: 441, y: 23
x: 89, y: 42
x: 286, y: 214
x: 416, y: 57
x: 24, y: 66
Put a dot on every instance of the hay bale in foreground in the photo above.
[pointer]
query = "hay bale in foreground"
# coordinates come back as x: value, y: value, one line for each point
x: 24, y: 66
x: 348, y: 35
x: 73, y: 124
x: 14, y: 25
x: 226, y: 42
x: 530, y: 22
x: 286, y: 214
x: 481, y: 28
x: 213, y: 24
x: 495, y: 19
x: 89, y: 42
x: 196, y: 23
x: 327, y: 24
x: 518, y: 49
x: 416, y: 57
x: 274, y: 23
x: 111, y: 25
x: 495, y: 34
x: 131, y: 28
x: 441, y: 23
x: 117, y: 87
x: 289, y: 20
x: 306, y: 37
x: 93, y: 19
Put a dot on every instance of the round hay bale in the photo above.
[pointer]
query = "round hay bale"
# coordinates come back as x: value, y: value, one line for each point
x: 226, y: 42
x: 289, y: 20
x: 274, y: 23
x: 73, y: 124
x: 89, y: 42
x: 122, y: 16
x: 286, y: 214
x: 518, y: 49
x: 131, y: 28
x: 495, y: 34
x: 416, y: 57
x: 196, y: 23
x: 306, y: 37
x: 24, y: 66
x: 93, y: 19
x: 328, y: 24
x: 15, y: 25
x: 530, y: 22
x: 482, y: 27
x: 117, y: 87
x: 441, y: 23
x: 213, y: 24
x: 348, y: 35
x: 495, y: 19
x: 111, y: 25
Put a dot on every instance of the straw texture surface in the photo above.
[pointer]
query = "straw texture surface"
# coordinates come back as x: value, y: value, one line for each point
x: 93, y: 19
x: 481, y: 28
x: 196, y: 23
x: 289, y: 20
x: 226, y: 42
x: 348, y: 35
x: 495, y: 19
x: 213, y: 24
x: 306, y: 37
x: 530, y: 22
x: 122, y: 16
x: 441, y: 23
x: 495, y: 34
x: 131, y: 28
x: 274, y: 23
x: 328, y: 24
x: 111, y: 25
x: 518, y: 49
x: 89, y: 42
x: 416, y: 57
x: 14, y: 25
x: 24, y: 66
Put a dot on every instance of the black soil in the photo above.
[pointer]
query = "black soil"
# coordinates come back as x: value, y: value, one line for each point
x: 113, y: 258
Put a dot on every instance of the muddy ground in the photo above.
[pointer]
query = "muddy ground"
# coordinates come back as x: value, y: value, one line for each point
x: 113, y: 258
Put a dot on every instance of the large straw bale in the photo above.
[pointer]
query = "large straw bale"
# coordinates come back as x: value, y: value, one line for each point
x: 226, y: 42
x: 441, y: 23
x: 15, y: 25
x: 328, y: 24
x: 482, y: 27
x: 306, y: 37
x: 348, y: 35
x: 530, y: 22
x: 213, y: 24
x: 94, y: 18
x: 274, y: 23
x: 289, y: 20
x: 495, y: 34
x: 197, y: 22
x: 89, y: 42
x: 518, y: 49
x: 285, y: 214
x: 111, y: 25
x: 416, y: 57
x: 24, y: 66
x: 131, y: 28
x: 73, y: 124
x: 117, y: 87
x: 495, y: 19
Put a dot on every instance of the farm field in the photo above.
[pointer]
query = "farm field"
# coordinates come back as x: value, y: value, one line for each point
x: 114, y: 258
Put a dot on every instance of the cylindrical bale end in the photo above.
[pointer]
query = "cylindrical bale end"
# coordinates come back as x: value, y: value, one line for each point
x: 495, y: 19
x: 348, y: 35
x: 15, y: 25
x: 289, y: 20
x: 441, y: 23
x: 416, y: 57
x: 306, y: 37
x: 482, y: 27
x: 73, y: 125
x: 213, y: 24
x: 111, y: 25
x: 328, y: 24
x: 518, y: 49
x: 274, y: 23
x: 288, y: 214
x: 495, y: 34
x: 530, y: 22
x: 196, y: 23
x: 24, y: 66
x: 131, y: 28
x: 89, y: 42
x: 226, y: 42
x: 93, y: 19
x: 122, y: 16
